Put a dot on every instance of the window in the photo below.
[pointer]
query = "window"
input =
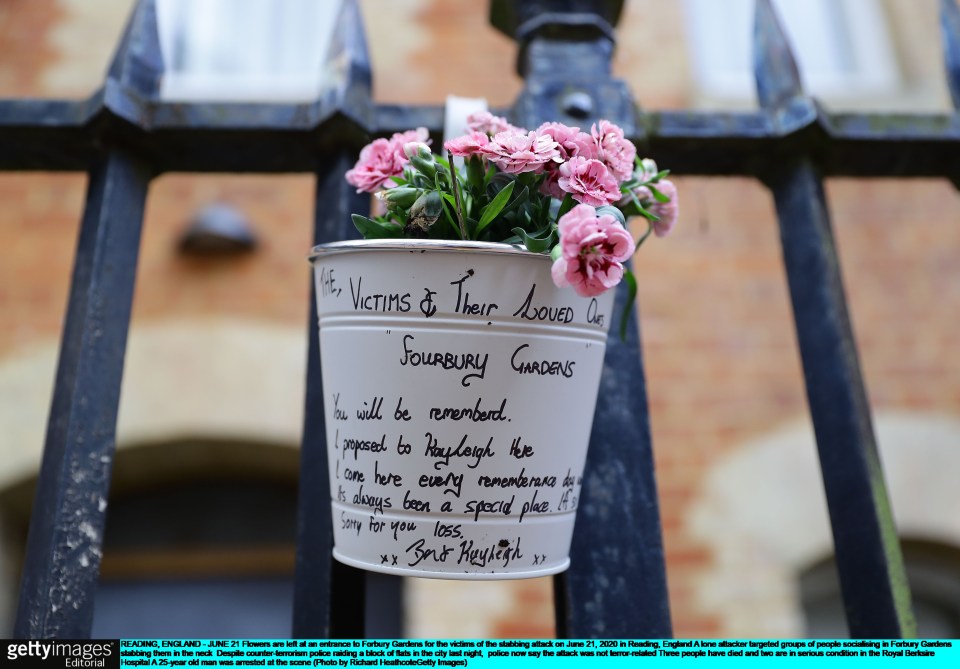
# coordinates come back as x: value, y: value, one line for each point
x: 842, y: 47
x: 933, y: 571
x: 245, y: 50
x: 209, y: 557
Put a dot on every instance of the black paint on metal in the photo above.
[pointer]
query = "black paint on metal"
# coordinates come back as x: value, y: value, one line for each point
x: 870, y: 563
x: 514, y: 19
x: 329, y: 597
x: 777, y: 75
x: 950, y: 30
x: 66, y: 528
x: 65, y: 539
x: 616, y: 586
x: 872, y: 577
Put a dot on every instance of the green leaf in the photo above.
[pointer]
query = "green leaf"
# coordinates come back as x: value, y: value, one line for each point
x: 613, y: 211
x: 450, y: 217
x: 657, y: 195
x: 521, y: 197
x: 475, y: 173
x: 649, y: 215
x: 498, y: 183
x: 535, y: 244
x: 631, y: 208
x: 565, y: 206
x: 371, y: 229
x: 422, y: 182
x: 645, y: 235
x: 398, y: 215
x: 496, y: 205
x: 631, y: 281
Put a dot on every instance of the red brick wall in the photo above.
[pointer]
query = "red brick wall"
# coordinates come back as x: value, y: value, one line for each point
x: 718, y: 339
x: 24, y: 28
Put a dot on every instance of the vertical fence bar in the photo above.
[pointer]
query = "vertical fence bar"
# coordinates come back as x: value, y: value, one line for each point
x: 872, y: 577
x: 950, y: 31
x: 66, y: 527
x: 64, y: 544
x: 330, y: 597
x: 616, y: 584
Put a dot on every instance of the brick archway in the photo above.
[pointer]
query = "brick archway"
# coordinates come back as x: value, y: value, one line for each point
x: 763, y: 516
x: 217, y: 379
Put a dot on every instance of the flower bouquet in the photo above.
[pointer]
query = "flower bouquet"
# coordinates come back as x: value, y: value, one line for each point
x: 556, y: 190
x: 460, y: 372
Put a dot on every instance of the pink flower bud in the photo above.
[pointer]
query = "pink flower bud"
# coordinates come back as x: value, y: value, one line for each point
x: 646, y: 171
x: 411, y: 149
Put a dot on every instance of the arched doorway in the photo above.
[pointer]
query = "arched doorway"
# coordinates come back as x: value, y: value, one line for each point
x: 933, y: 570
x: 763, y: 517
x: 199, y: 540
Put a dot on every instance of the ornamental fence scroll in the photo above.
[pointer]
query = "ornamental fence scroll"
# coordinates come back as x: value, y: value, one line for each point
x: 125, y: 135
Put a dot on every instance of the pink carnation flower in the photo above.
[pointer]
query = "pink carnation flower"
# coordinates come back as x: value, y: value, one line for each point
x: 551, y: 184
x: 570, y: 141
x: 383, y: 159
x: 484, y: 121
x: 515, y: 152
x: 589, y: 181
x: 667, y: 211
x: 616, y: 151
x: 398, y: 139
x: 379, y: 162
x: 593, y: 249
x: 467, y: 145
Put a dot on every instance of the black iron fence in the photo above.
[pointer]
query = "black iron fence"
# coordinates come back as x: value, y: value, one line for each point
x: 125, y: 135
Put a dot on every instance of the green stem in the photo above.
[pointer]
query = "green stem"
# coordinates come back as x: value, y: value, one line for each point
x: 455, y: 185
x: 646, y: 234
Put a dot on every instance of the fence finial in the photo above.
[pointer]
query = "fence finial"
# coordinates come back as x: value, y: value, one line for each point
x: 137, y: 64
x: 348, y: 53
x: 509, y: 16
x: 950, y: 29
x: 774, y: 67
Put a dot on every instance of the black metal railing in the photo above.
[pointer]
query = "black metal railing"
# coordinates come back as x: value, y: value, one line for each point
x: 125, y: 135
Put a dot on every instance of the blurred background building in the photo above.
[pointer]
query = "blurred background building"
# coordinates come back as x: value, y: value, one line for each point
x: 201, y: 520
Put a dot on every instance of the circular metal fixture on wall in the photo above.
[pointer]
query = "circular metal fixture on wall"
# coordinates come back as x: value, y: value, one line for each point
x: 218, y: 229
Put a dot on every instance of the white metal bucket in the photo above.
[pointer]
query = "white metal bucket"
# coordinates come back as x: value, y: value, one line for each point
x: 459, y: 392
